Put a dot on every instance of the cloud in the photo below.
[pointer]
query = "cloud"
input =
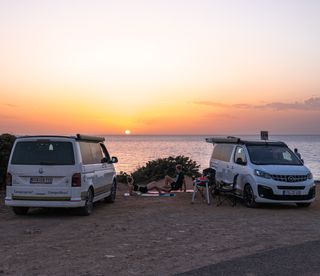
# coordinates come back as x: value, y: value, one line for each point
x: 9, y: 105
x: 208, y: 103
x: 311, y: 104
x: 220, y: 116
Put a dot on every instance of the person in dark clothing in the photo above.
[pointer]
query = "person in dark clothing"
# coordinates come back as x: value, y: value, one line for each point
x: 297, y: 153
x: 176, y: 183
x: 170, y: 184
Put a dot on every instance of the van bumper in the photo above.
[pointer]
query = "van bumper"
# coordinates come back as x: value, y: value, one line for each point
x: 267, y: 195
x: 42, y: 203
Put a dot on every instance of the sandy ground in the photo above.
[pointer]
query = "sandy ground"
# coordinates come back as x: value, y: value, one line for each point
x: 147, y: 236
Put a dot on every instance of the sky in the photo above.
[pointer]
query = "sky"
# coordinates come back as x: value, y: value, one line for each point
x: 159, y: 67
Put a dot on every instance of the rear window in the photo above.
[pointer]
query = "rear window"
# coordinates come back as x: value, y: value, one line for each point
x: 43, y: 153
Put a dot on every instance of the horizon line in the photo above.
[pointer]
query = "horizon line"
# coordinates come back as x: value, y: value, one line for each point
x: 166, y: 134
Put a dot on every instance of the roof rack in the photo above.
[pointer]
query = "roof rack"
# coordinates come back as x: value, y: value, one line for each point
x: 236, y: 140
x: 229, y: 139
x: 90, y: 138
x: 77, y: 137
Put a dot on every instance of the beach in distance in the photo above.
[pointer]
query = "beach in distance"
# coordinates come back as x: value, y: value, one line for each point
x: 134, y: 151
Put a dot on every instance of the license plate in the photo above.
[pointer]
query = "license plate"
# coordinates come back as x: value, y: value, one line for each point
x: 291, y: 192
x: 40, y: 180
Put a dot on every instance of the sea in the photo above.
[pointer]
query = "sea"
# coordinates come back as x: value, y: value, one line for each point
x: 134, y: 151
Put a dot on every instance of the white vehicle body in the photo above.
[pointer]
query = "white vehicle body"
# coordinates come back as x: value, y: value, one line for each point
x: 59, y: 171
x: 270, y: 169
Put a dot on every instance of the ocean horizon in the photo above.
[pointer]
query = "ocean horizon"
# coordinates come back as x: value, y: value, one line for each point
x: 134, y: 151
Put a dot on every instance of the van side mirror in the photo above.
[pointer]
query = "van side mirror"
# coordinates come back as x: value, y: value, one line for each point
x: 241, y: 162
x: 114, y: 159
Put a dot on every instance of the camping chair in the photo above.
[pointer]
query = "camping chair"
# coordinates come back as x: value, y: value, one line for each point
x: 204, y: 185
x: 226, y: 192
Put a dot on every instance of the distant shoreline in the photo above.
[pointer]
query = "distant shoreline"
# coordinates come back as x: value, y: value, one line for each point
x: 144, y: 134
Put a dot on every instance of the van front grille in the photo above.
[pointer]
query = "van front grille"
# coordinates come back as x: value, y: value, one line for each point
x: 289, y: 178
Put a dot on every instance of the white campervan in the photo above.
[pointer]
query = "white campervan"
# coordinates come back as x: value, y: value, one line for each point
x: 59, y: 171
x: 262, y: 171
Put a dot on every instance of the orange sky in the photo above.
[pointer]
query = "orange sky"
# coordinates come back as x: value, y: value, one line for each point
x: 159, y: 67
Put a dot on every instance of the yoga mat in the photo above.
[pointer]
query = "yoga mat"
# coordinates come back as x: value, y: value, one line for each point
x: 152, y: 194
x: 157, y: 194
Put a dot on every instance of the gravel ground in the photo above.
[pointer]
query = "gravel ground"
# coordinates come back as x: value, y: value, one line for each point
x: 147, y: 236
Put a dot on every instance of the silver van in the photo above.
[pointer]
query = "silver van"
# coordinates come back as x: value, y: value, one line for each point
x: 59, y: 171
x: 262, y: 171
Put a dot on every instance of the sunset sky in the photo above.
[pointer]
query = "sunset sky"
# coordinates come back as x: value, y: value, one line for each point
x: 159, y: 67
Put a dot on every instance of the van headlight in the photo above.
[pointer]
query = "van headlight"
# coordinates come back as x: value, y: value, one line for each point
x: 262, y: 174
x: 309, y: 175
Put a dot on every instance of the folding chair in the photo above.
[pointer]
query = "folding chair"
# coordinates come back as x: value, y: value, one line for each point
x: 226, y: 192
x: 204, y: 185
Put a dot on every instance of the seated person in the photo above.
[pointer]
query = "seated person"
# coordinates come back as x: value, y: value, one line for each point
x: 141, y: 188
x: 174, y: 184
x: 170, y: 184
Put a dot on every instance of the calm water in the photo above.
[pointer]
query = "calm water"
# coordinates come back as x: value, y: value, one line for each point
x: 134, y: 151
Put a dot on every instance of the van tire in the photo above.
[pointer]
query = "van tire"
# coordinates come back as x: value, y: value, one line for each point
x: 20, y: 211
x: 86, y: 210
x: 112, y: 197
x: 303, y: 205
x: 248, y: 196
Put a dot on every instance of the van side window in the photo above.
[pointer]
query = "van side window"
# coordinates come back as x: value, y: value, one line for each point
x: 222, y: 152
x: 86, y: 154
x: 105, y: 151
x: 240, y: 155
x: 96, y: 152
x: 91, y: 153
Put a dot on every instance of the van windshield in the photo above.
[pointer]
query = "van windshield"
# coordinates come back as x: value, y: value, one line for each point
x: 272, y: 155
x: 43, y: 153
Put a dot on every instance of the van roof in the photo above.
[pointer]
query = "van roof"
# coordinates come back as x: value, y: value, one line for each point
x: 78, y: 137
x: 237, y: 140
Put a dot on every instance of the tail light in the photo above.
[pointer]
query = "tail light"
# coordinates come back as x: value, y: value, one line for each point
x: 9, y: 179
x: 76, y: 180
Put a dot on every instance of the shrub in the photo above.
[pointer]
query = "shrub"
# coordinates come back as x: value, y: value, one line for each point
x: 157, y: 169
x: 6, y: 143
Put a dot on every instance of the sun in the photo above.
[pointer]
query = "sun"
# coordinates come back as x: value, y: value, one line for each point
x: 127, y: 132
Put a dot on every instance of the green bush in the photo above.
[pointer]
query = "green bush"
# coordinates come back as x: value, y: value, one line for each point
x: 157, y: 169
x: 6, y: 143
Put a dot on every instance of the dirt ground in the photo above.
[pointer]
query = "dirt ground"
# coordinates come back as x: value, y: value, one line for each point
x: 147, y: 236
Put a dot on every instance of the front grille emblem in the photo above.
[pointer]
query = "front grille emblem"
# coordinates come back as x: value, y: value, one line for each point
x: 41, y: 171
x: 291, y: 179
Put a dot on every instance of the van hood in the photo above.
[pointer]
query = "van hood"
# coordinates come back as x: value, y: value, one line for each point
x: 284, y: 169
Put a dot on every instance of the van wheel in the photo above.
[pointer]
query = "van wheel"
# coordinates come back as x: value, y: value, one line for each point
x: 248, y: 196
x: 112, y: 197
x: 303, y: 205
x: 20, y: 211
x: 86, y: 210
